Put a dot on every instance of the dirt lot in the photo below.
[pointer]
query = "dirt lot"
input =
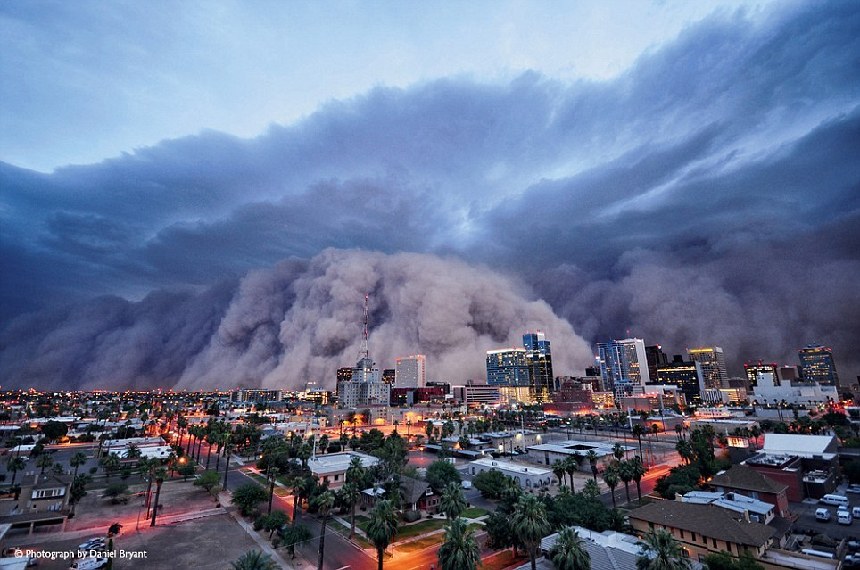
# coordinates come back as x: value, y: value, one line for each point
x: 206, y: 543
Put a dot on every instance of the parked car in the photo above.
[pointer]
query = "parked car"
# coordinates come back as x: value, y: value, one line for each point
x: 843, y: 516
x: 94, y: 543
x: 853, y: 488
x: 89, y: 563
x: 822, y: 514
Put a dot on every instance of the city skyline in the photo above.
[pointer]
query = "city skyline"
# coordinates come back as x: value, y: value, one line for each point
x: 193, y: 193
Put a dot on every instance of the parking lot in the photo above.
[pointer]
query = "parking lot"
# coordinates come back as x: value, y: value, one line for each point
x: 806, y: 521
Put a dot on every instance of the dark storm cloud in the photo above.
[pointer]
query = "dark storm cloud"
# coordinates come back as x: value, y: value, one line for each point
x: 709, y: 195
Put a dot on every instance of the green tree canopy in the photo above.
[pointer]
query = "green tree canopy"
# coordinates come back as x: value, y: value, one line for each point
x: 440, y: 473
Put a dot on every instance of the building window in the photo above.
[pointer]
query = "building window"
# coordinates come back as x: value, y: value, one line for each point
x: 682, y: 534
x: 714, y: 542
x: 337, y: 477
x: 693, y: 536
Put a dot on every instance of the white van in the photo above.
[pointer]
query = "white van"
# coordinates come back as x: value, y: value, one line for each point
x: 843, y: 517
x: 835, y: 500
x: 856, y: 512
x: 822, y: 515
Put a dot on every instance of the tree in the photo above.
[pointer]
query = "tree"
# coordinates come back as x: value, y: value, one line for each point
x: 559, y: 471
x: 440, y: 473
x: 529, y: 522
x: 592, y: 460
x: 44, y: 461
x: 638, y: 432
x: 114, y: 491
x: 460, y: 550
x: 569, y: 553
x: 78, y: 490
x: 350, y: 494
x: 637, y: 471
x: 382, y: 528
x: 110, y: 463
x: 274, y: 521
x: 324, y: 503
x: 685, y: 450
x: 660, y: 551
x: 571, y: 466
x: 208, y: 480
x: 254, y: 560
x: 16, y: 464
x: 54, y: 430
x: 292, y: 535
x: 248, y: 497
x: 272, y: 476
x: 453, y: 503
x: 77, y: 460
x: 160, y: 474
x: 625, y: 473
x: 492, y: 484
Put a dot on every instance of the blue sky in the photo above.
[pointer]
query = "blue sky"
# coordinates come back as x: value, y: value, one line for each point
x: 191, y: 191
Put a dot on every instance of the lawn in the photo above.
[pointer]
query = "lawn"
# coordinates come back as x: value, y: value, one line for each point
x: 421, y: 543
x: 474, y: 512
x: 420, y: 528
x: 344, y: 531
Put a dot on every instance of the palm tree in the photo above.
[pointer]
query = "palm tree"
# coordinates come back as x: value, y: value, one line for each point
x: 685, y: 450
x: 660, y: 551
x: 78, y: 459
x: 44, y: 461
x: 618, y: 451
x: 571, y: 466
x: 592, y: 460
x: 453, y: 503
x: 324, y: 504
x: 625, y: 473
x: 350, y: 492
x: 460, y: 550
x: 110, y: 463
x: 16, y: 464
x: 638, y: 470
x: 638, y: 431
x: 529, y: 522
x: 569, y: 553
x: 159, y: 475
x: 559, y: 471
x: 610, y: 476
x: 382, y: 528
x: 254, y: 560
x: 272, y: 474
x: 678, y: 429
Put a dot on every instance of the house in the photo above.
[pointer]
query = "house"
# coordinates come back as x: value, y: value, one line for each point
x: 808, y: 464
x: 757, y: 511
x: 332, y: 467
x: 40, y: 502
x: 745, y: 480
x: 416, y: 495
x: 704, y: 529
x: 549, y: 453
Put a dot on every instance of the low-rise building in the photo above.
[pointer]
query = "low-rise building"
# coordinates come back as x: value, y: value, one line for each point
x: 743, y: 480
x: 704, y: 529
x: 549, y: 453
x: 757, y: 511
x: 332, y: 467
x: 526, y: 476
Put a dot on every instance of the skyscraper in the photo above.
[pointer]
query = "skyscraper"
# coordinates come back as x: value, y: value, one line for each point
x: 753, y: 369
x: 713, y: 364
x: 539, y: 362
x: 623, y: 364
x: 410, y: 371
x: 507, y: 367
x: 656, y: 357
x: 817, y: 364
x: 686, y: 375
x: 365, y: 386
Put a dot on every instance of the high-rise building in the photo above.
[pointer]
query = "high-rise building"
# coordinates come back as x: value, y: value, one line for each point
x: 713, y: 364
x: 507, y: 367
x: 539, y: 361
x: 753, y: 369
x: 389, y: 375
x: 365, y: 386
x: 623, y: 364
x: 817, y: 364
x: 410, y: 371
x: 686, y: 375
x: 655, y: 357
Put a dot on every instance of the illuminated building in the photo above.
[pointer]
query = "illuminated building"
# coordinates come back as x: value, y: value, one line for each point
x: 817, y: 365
x: 712, y: 362
x: 365, y: 386
x: 655, y: 357
x: 686, y: 375
x: 507, y: 367
x: 389, y: 375
x: 539, y: 362
x: 623, y: 364
x: 410, y: 371
x: 753, y: 369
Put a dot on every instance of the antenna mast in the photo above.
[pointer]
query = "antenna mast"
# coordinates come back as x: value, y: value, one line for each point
x: 365, y: 352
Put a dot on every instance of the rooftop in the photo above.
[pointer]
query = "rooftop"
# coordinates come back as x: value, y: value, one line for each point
x: 707, y: 520
x: 337, y: 462
x: 747, y: 479
x: 799, y: 444
x: 510, y: 466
